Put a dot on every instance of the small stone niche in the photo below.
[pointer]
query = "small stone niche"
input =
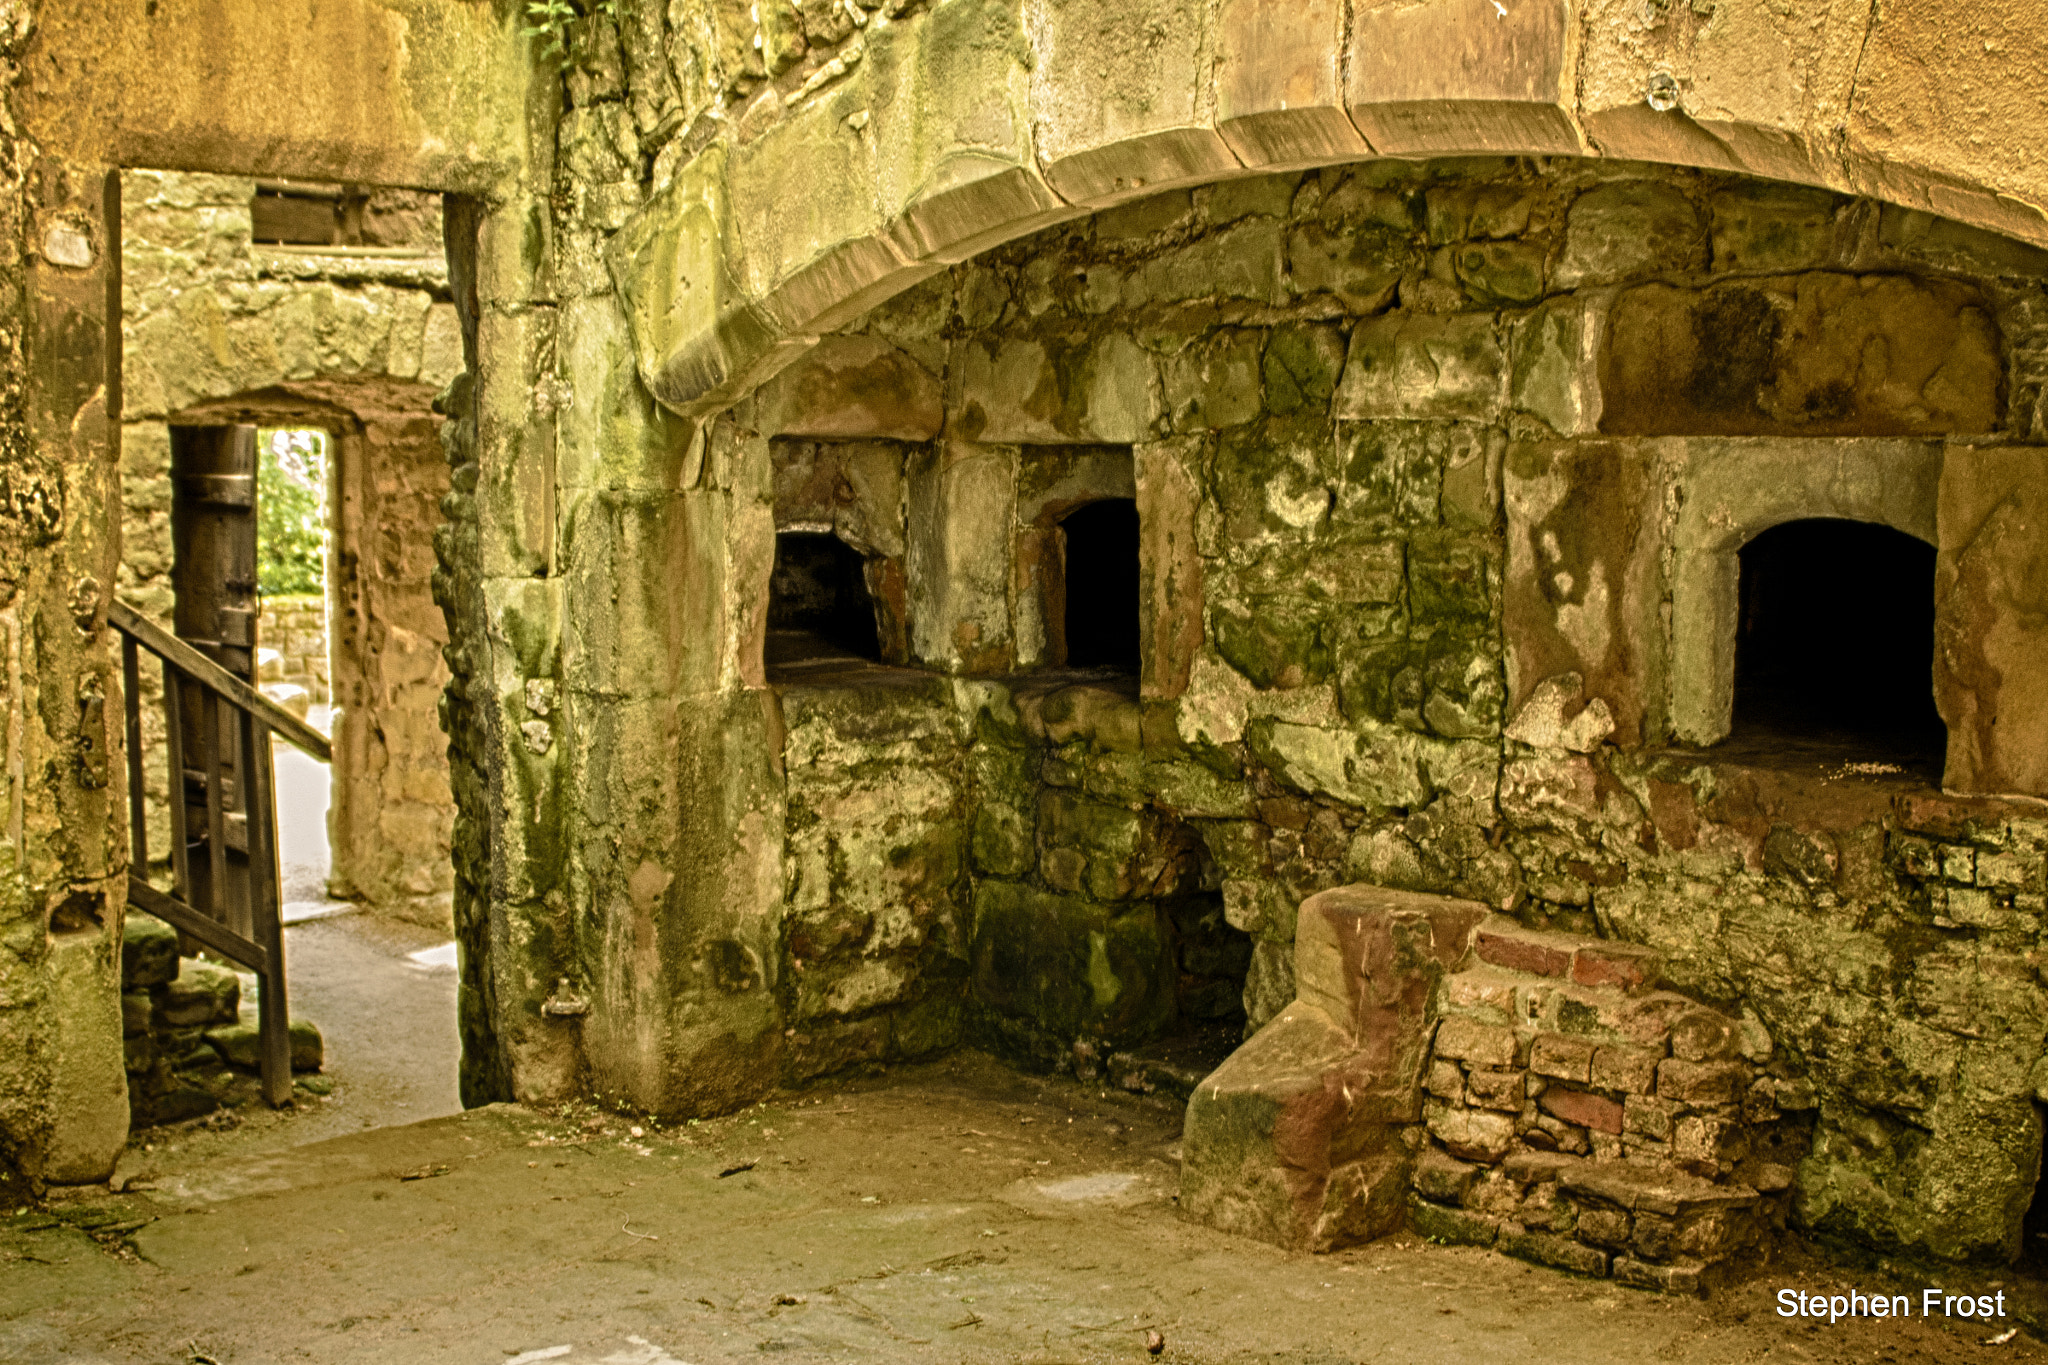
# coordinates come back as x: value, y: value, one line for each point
x: 1834, y: 640
x: 819, y: 606
x: 1100, y: 613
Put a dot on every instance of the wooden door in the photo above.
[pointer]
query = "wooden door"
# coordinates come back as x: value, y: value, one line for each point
x: 213, y: 539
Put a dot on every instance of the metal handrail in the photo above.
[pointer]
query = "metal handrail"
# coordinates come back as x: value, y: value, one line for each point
x: 242, y: 917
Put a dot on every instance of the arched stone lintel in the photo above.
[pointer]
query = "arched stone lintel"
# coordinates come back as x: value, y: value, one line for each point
x: 1733, y: 491
x: 721, y: 294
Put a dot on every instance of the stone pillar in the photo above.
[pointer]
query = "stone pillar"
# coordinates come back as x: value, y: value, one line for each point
x: 1169, y: 566
x: 1991, y: 619
x: 673, y: 850
x: 962, y: 500
x: 63, y: 1089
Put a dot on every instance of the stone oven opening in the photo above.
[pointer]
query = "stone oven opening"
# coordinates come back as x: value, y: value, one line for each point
x: 1101, y: 579
x: 819, y: 606
x: 1835, y: 640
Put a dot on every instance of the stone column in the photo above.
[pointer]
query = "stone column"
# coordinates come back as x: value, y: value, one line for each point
x: 63, y: 1089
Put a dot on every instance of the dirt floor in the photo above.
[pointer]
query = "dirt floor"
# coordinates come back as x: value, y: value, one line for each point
x: 957, y: 1212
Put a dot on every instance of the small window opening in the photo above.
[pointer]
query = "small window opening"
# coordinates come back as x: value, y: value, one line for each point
x: 1835, y: 639
x: 347, y: 218
x: 818, y: 601
x: 1102, y: 585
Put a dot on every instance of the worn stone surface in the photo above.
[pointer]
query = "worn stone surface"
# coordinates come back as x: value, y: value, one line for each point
x: 1991, y: 590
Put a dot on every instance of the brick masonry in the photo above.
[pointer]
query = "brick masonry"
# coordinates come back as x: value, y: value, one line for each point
x: 1581, y: 1118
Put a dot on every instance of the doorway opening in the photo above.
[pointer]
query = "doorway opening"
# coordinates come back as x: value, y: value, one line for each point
x: 1835, y: 640
x: 280, y: 492
x: 819, y: 605
x: 1101, y: 582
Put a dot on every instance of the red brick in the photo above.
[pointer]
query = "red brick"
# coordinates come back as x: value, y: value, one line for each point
x: 1522, y: 951
x: 1576, y: 1106
x: 1616, y: 964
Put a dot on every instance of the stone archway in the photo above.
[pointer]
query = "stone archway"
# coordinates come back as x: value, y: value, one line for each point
x: 925, y: 140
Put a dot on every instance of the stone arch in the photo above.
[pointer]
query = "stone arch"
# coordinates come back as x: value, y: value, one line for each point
x: 1739, y: 492
x: 932, y: 137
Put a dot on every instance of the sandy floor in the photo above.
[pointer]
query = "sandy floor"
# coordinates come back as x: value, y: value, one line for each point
x: 957, y: 1212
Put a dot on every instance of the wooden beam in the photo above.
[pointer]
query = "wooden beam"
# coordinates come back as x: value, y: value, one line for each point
x: 205, y: 671
x: 212, y: 933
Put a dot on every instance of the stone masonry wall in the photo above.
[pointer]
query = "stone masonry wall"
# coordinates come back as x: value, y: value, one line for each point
x: 219, y: 328
x: 295, y: 627
x: 1364, y: 407
x: 1333, y: 384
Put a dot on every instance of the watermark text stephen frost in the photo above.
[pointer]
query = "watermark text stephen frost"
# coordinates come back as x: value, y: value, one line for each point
x: 1934, y: 1303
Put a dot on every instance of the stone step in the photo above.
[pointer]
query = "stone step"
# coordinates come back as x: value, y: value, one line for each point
x: 1591, y: 962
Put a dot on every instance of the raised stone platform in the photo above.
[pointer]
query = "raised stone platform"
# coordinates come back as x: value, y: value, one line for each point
x: 1498, y: 1086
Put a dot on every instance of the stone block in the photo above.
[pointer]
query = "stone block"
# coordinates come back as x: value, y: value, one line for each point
x: 1583, y: 592
x: 1478, y: 1044
x: 1443, y: 1178
x: 1411, y: 365
x: 1371, y: 958
x: 241, y: 1045
x: 1604, y: 1227
x: 1475, y: 1135
x: 949, y: 116
x: 1485, y: 1089
x: 1360, y: 264
x: 1819, y: 354
x: 958, y: 560
x: 1452, y: 1227
x: 1632, y: 1069
x: 86, y: 1059
x: 138, y: 1054
x: 1703, y: 1035
x: 1582, y: 1108
x: 1991, y: 602
x: 1055, y: 393
x: 1762, y: 228
x: 1463, y: 76
x: 852, y: 386
x: 1674, y: 1277
x: 201, y: 994
x: 1279, y: 89
x: 1505, y: 943
x: 1106, y: 141
x: 1446, y: 1081
x: 1170, y: 570
x: 1537, y: 1168
x: 1070, y: 967
x: 1566, y: 1058
x: 1276, y: 1149
x: 136, y: 1010
x: 1554, y: 359
x: 1547, y: 1248
x: 1214, y: 383
x: 149, y: 953
x: 1622, y: 231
